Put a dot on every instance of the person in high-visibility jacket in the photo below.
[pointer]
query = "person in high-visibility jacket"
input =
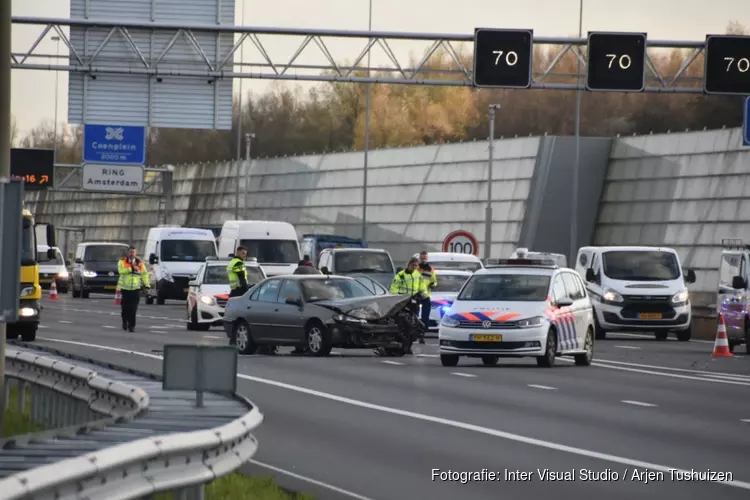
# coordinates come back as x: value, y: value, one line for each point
x: 237, y: 272
x: 429, y: 281
x: 133, y: 278
x: 408, y: 281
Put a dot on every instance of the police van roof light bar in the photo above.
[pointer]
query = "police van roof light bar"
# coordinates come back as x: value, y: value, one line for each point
x: 523, y: 262
x: 734, y: 243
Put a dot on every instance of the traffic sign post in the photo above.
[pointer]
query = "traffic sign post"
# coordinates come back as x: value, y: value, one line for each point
x: 461, y: 242
x: 503, y: 58
x: 616, y: 62
x: 114, y: 144
x: 727, y: 65
x: 746, y: 123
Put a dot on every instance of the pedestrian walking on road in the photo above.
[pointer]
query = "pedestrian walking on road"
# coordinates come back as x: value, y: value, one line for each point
x: 409, y: 282
x: 133, y: 279
x: 429, y: 281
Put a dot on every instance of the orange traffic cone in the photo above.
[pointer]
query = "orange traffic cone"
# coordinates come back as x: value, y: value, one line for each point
x: 53, y: 291
x: 721, y: 346
x: 118, y: 297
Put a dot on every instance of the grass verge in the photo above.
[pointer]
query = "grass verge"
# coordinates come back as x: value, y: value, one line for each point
x: 237, y: 486
x: 17, y: 422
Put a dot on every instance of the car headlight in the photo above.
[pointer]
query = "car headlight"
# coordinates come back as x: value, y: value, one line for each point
x: 27, y: 312
x: 89, y: 274
x: 343, y: 318
x: 25, y: 292
x: 208, y: 300
x: 63, y: 274
x: 449, y: 321
x: 531, y: 322
x: 680, y: 297
x: 612, y: 296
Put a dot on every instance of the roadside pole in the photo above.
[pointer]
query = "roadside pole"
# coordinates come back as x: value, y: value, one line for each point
x: 5, y: 27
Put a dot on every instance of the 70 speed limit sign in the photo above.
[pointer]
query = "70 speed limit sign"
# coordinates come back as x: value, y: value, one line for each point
x: 461, y: 242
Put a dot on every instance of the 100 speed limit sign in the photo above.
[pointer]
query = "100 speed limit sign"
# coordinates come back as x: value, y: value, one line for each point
x: 461, y: 242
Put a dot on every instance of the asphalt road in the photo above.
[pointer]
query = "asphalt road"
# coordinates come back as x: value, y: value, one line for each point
x: 358, y: 426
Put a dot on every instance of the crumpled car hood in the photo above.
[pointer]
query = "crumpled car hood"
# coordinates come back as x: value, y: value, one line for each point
x: 372, y: 308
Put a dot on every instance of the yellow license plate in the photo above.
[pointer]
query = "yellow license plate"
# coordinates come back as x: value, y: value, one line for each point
x: 110, y: 287
x: 649, y: 316
x: 487, y: 338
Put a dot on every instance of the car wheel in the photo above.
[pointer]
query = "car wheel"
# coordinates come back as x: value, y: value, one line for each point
x: 548, y: 358
x: 449, y: 359
x: 160, y: 298
x: 28, y: 334
x: 588, y: 344
x: 661, y: 336
x: 490, y: 360
x: 76, y: 293
x: 245, y: 342
x: 85, y: 293
x: 318, y: 339
x: 685, y: 335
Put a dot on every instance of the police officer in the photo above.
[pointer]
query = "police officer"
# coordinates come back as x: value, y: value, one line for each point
x: 237, y: 272
x: 408, y: 282
x: 133, y: 278
x: 429, y: 281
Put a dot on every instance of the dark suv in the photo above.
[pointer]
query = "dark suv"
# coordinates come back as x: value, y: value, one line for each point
x: 95, y: 268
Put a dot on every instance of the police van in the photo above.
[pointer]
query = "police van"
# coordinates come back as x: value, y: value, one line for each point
x: 519, y: 308
x: 175, y: 255
x: 635, y: 288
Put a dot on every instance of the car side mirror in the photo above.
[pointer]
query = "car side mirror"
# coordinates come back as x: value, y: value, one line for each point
x: 152, y: 259
x: 292, y: 301
x: 564, y: 302
x: 739, y: 283
x: 51, y: 254
x: 690, y: 276
x: 590, y: 276
x: 79, y: 261
x: 325, y: 270
x: 192, y: 283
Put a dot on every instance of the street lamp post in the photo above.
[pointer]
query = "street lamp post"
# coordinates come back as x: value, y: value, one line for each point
x: 239, y: 127
x: 576, y: 165
x: 368, y: 98
x: 56, y: 39
x: 488, y: 210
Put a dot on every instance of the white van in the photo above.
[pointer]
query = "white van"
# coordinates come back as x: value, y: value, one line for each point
x: 453, y: 260
x: 175, y: 255
x: 273, y: 243
x: 637, y: 289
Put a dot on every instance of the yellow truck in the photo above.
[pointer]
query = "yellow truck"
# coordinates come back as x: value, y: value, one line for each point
x: 29, y: 312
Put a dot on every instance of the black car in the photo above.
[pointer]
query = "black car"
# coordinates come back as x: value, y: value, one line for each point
x: 317, y: 313
x: 95, y: 268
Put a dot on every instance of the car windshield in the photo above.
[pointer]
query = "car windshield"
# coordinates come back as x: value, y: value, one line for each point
x: 272, y: 251
x: 332, y: 289
x: 46, y: 261
x: 105, y: 253
x: 641, y: 265
x: 187, y: 250
x: 362, y: 262
x: 449, y: 282
x: 456, y: 264
x: 506, y: 288
x: 217, y: 275
x: 28, y: 244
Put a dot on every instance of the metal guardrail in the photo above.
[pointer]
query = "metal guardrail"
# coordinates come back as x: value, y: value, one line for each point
x: 179, y: 461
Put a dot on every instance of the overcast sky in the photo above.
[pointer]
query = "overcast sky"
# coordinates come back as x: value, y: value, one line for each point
x: 34, y: 91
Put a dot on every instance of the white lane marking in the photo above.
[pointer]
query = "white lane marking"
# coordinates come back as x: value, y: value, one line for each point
x: 642, y: 336
x: 309, y: 480
x: 43, y: 326
x: 746, y: 420
x: 628, y: 347
x: 64, y: 322
x: 459, y: 374
x: 387, y: 362
x: 544, y: 387
x: 636, y: 403
x: 437, y: 420
x: 685, y: 370
x: 158, y: 331
x: 108, y: 326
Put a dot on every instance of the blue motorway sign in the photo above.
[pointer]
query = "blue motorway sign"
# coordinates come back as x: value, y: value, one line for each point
x: 114, y: 144
x: 746, y: 123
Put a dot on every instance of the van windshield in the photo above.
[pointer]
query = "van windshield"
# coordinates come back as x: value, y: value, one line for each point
x: 362, y: 262
x: 105, y: 253
x: 272, y: 251
x: 639, y: 265
x: 187, y: 250
x: 455, y: 264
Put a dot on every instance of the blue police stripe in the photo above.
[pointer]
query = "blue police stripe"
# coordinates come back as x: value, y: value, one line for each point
x: 562, y: 332
x: 575, y: 333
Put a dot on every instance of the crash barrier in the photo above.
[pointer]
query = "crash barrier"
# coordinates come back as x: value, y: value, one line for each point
x: 110, y: 458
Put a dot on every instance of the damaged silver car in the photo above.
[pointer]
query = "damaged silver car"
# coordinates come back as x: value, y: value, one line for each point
x: 317, y: 313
